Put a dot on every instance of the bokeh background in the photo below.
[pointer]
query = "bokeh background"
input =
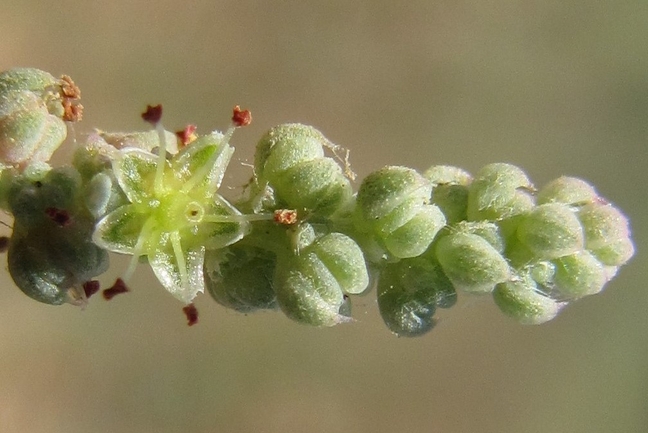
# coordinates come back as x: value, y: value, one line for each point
x: 557, y: 87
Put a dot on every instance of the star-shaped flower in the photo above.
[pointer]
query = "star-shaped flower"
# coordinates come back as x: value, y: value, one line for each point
x: 175, y: 212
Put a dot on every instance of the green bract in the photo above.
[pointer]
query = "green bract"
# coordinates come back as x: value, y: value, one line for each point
x: 174, y: 213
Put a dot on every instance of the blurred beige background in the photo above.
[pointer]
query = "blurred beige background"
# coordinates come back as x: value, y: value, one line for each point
x: 557, y: 87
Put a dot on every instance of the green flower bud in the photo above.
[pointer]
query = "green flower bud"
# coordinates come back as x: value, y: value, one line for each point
x: 499, y: 191
x: 471, y: 262
x: 33, y: 108
x: 616, y: 253
x: 568, y: 190
x: 603, y: 224
x: 551, y: 230
x: 290, y: 159
x: 392, y: 204
x: 522, y: 301
x: 240, y: 278
x: 310, y: 286
x: 579, y: 274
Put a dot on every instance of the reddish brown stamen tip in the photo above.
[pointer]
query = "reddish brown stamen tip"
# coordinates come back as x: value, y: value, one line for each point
x: 192, y: 314
x: 187, y: 135
x: 72, y: 110
x: 117, y: 289
x: 69, y: 89
x: 90, y: 288
x: 285, y: 216
x: 241, y: 117
x: 59, y: 216
x: 153, y: 114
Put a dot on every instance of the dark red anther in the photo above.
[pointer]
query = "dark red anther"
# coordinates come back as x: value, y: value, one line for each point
x: 153, y: 114
x: 90, y: 288
x: 241, y: 117
x: 117, y: 289
x: 60, y: 216
x: 192, y: 314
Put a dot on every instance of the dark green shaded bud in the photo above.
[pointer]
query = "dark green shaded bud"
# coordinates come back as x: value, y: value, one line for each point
x: 409, y: 292
x: 579, y: 274
x: 50, y: 263
x: 568, y: 190
x: 499, y: 191
x: 240, y: 277
x: 393, y: 205
x: 522, y: 301
x: 290, y: 159
x: 551, y: 230
x: 471, y: 262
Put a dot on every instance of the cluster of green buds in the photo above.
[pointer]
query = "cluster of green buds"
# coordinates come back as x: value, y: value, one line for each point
x: 298, y: 238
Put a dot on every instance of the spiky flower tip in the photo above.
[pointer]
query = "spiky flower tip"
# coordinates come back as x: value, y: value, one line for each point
x: 174, y: 212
